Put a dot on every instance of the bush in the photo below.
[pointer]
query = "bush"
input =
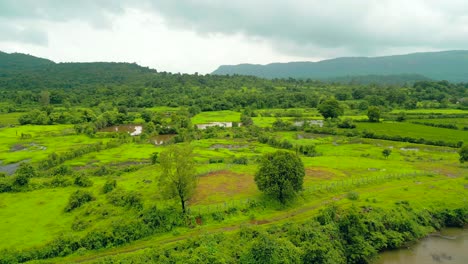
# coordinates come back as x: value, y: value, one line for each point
x: 109, y: 186
x: 215, y: 160
x: 21, y: 180
x: 347, y: 123
x: 120, y: 197
x: 162, y: 220
x: 6, y: 185
x: 60, y: 181
x: 354, y: 196
x: 62, y: 170
x: 83, y: 181
x: 77, y: 199
x: 240, y: 160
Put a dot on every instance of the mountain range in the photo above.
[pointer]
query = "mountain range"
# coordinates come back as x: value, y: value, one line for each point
x: 22, y: 70
x: 445, y: 65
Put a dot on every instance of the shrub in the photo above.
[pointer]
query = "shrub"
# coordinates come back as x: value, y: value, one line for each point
x: 353, y: 196
x: 62, y: 170
x: 83, y: 181
x: 120, y: 197
x: 60, y: 181
x: 240, y: 160
x: 109, y: 186
x: 162, y: 220
x: 215, y: 160
x: 77, y: 199
x: 347, y: 123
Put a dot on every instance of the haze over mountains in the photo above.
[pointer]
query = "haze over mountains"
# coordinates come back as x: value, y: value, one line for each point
x: 445, y: 65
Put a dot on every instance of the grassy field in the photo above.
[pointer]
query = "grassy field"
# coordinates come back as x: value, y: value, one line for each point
x: 420, y: 173
x: 216, y: 116
x: 414, y: 130
x: 430, y: 111
x: 9, y: 118
x: 459, y: 122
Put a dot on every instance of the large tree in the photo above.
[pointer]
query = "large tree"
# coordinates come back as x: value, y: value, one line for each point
x: 281, y: 175
x: 178, y: 178
x: 330, y: 108
x: 373, y: 113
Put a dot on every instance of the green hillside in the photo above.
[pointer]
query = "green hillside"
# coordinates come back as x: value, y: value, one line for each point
x: 446, y: 65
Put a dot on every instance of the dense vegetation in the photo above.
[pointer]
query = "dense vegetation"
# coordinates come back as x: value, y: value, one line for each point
x: 98, y: 156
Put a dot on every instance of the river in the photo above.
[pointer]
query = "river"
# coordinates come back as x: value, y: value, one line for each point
x: 447, y: 246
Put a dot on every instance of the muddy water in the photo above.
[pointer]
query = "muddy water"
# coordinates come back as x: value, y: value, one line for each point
x: 161, y: 139
x: 133, y: 130
x: 449, y: 246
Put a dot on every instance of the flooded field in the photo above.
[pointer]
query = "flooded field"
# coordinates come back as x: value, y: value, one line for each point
x: 161, y: 139
x: 133, y: 130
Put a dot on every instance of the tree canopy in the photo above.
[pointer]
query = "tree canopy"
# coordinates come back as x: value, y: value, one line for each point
x: 178, y: 177
x: 373, y: 113
x: 281, y: 175
x: 330, y: 108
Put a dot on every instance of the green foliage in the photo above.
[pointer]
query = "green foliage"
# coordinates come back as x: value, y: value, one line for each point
x: 240, y: 160
x: 83, y: 181
x: 280, y: 174
x: 162, y: 220
x: 373, y: 113
x: 60, y: 181
x: 386, y: 152
x: 401, y: 117
x: 154, y: 158
x: 120, y: 197
x: 330, y: 108
x: 347, y: 123
x: 62, y: 170
x: 463, y: 153
x: 307, y: 150
x: 25, y: 172
x: 110, y: 185
x: 268, y: 249
x: 178, y: 177
x: 246, y: 120
x: 354, y: 196
x: 78, y: 198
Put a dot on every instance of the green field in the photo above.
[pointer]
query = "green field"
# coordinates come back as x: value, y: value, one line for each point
x: 431, y: 111
x: 36, y: 216
x: 216, y: 116
x: 414, y: 131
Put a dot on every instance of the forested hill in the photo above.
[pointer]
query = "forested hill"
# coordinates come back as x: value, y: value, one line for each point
x: 446, y: 65
x: 21, y: 71
x: 20, y: 62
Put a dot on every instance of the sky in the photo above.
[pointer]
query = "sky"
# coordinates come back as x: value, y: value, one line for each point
x: 191, y: 36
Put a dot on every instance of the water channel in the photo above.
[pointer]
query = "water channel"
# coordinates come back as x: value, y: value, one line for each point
x: 447, y: 246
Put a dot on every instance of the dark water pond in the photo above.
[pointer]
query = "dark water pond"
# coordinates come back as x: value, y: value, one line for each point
x: 133, y: 130
x: 448, y: 246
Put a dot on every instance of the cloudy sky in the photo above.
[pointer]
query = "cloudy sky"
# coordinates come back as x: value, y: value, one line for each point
x: 199, y: 35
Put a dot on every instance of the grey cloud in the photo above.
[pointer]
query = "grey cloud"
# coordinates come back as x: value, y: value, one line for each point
x: 17, y: 33
x: 306, y: 28
x: 303, y: 27
x: 22, y: 16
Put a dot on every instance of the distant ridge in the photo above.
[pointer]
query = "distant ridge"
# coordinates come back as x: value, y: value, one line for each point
x: 444, y: 65
x: 19, y: 61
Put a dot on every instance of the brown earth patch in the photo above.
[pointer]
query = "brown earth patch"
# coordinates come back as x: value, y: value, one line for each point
x: 259, y: 222
x: 222, y: 186
x: 318, y: 173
